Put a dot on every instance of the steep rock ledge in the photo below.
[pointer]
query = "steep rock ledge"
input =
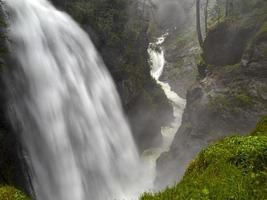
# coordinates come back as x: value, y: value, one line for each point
x: 229, y: 100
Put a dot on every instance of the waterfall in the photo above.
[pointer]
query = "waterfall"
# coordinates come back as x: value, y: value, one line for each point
x: 157, y: 64
x: 67, y: 110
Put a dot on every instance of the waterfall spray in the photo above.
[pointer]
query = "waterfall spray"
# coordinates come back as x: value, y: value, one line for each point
x: 78, y: 143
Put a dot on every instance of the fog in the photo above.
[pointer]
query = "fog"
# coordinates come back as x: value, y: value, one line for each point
x: 172, y: 13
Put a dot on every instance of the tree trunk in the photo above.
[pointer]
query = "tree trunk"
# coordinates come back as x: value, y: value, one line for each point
x: 198, y: 24
x: 227, y: 8
x: 231, y: 7
x: 206, y: 17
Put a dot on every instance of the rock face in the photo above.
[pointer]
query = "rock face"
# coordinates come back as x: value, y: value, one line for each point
x: 228, y: 101
x: 120, y: 35
x: 230, y: 39
x: 181, y: 50
x: 12, y: 165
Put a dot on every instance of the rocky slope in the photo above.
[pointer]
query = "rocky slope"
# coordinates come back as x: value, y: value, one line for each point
x: 230, y: 98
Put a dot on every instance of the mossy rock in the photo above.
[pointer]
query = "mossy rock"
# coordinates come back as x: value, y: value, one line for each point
x: 234, y: 168
x: 11, y: 193
x: 231, y: 102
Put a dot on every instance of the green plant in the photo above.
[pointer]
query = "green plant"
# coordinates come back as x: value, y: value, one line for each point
x: 11, y: 193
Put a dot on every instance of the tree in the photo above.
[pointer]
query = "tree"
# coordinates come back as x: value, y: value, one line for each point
x: 206, y: 16
x: 229, y: 8
x: 198, y: 24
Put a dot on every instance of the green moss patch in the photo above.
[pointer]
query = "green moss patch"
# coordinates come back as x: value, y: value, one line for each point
x: 234, y: 168
x: 262, y: 33
x: 231, y: 102
x: 11, y: 193
x: 261, y: 128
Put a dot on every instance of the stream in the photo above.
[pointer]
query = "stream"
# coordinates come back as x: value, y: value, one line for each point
x: 157, y: 60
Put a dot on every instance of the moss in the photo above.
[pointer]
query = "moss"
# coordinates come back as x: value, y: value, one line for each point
x: 261, y: 128
x: 232, y: 101
x: 232, y: 68
x: 11, y: 193
x: 243, y: 99
x: 262, y: 33
x: 219, y: 103
x: 234, y: 168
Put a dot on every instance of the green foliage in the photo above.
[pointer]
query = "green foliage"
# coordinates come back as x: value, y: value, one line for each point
x: 11, y: 193
x: 107, y: 18
x: 261, y: 128
x: 245, y: 12
x: 119, y: 31
x: 234, y: 168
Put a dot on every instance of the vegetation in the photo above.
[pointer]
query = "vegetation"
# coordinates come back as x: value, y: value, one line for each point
x: 262, y: 33
x: 232, y: 101
x: 261, y: 128
x: 234, y: 168
x: 122, y: 33
x: 107, y: 18
x: 11, y: 193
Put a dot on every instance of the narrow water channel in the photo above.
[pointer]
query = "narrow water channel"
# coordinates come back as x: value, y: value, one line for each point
x: 157, y: 60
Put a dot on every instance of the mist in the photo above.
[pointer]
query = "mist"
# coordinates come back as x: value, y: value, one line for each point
x: 172, y: 13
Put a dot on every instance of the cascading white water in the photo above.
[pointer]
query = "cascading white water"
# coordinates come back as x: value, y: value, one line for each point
x: 78, y: 143
x: 158, y: 62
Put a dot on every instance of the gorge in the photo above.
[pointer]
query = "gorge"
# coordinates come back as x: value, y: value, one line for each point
x: 121, y: 99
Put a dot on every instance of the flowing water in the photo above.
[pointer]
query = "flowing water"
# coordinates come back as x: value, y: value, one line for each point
x: 79, y: 146
x: 157, y: 60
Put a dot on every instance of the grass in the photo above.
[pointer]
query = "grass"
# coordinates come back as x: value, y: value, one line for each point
x: 234, y: 168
